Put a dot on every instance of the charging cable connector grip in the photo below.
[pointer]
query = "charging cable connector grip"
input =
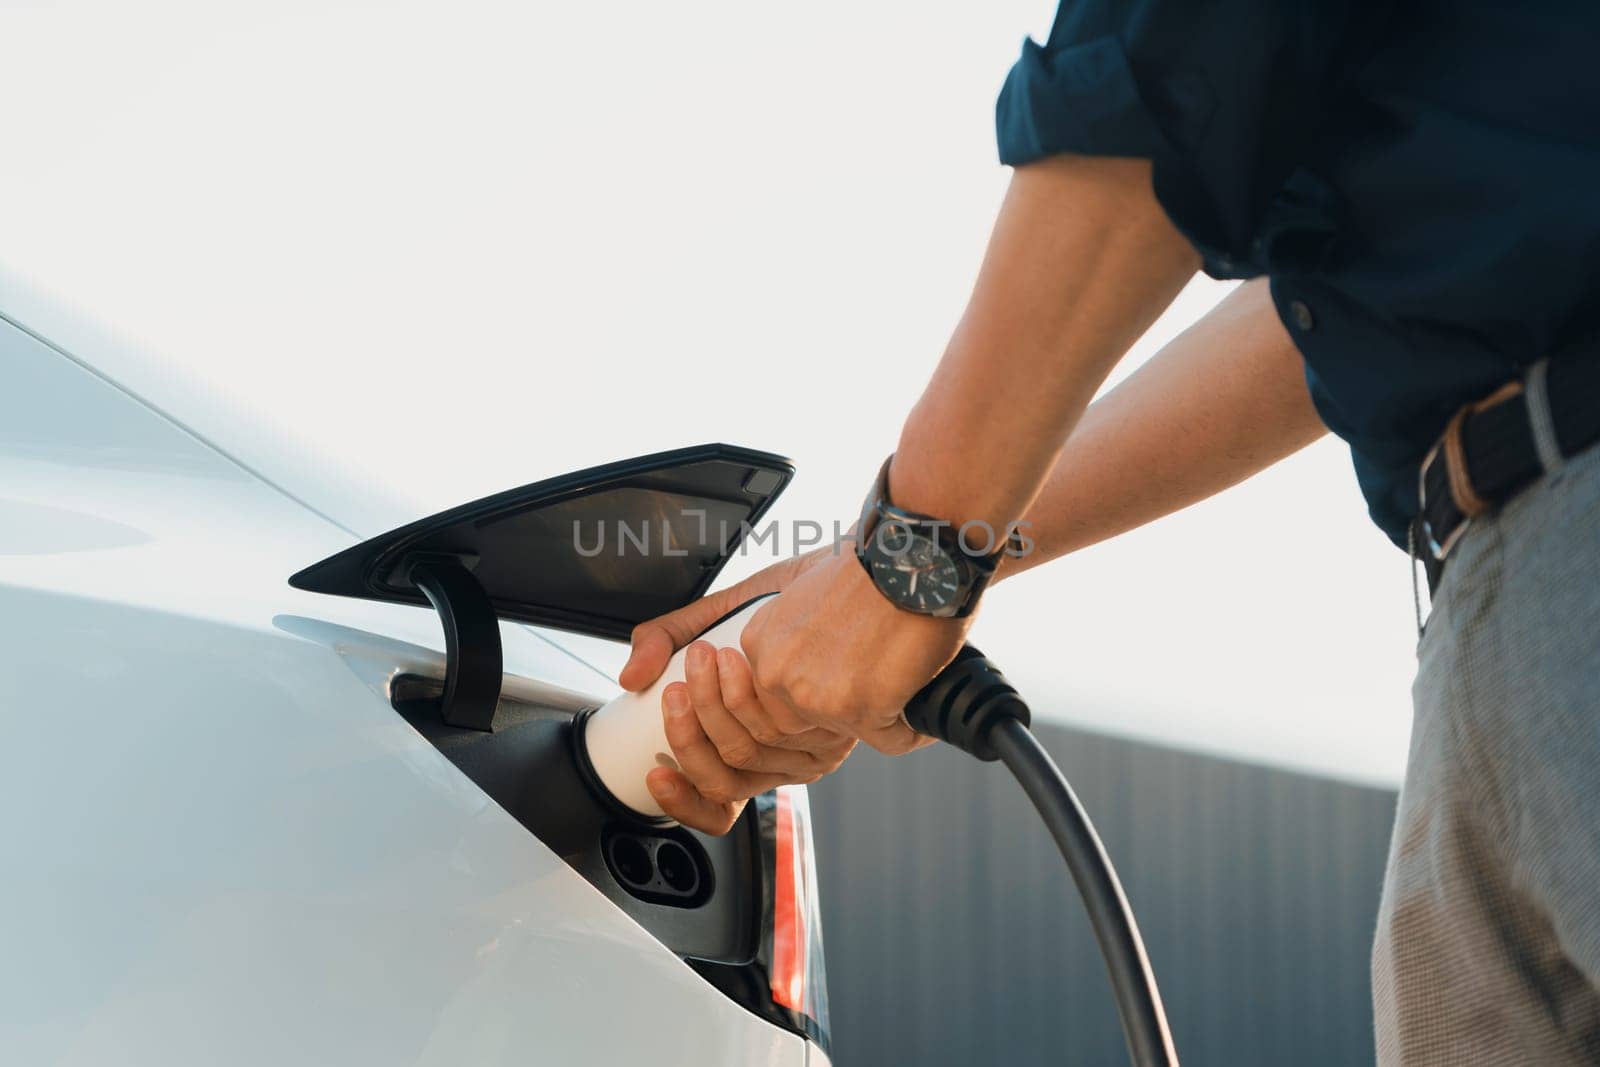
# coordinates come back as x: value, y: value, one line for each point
x: 964, y: 703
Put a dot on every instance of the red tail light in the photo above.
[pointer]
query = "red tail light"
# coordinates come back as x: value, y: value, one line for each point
x: 797, y: 976
x: 785, y: 983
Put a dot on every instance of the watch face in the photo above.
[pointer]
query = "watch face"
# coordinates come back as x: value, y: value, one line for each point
x: 913, y: 571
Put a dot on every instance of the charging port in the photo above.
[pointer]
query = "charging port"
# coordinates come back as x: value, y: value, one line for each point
x: 660, y: 866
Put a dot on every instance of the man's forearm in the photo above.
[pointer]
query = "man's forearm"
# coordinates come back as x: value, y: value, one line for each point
x: 1081, y: 261
x: 1224, y: 400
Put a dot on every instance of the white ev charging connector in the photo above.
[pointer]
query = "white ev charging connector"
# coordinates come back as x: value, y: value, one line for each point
x: 624, y: 739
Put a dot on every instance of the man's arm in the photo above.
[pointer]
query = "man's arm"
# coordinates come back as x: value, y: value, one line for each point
x: 1082, y: 260
x: 1224, y: 400
x: 1221, y: 401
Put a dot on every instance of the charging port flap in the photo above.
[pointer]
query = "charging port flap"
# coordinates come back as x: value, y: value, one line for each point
x: 597, y: 551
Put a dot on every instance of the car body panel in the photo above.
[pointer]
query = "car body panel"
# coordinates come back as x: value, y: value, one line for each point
x: 225, y: 845
x: 233, y: 434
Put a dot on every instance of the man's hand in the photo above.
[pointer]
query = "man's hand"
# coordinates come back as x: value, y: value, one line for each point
x: 833, y: 654
x: 814, y: 681
x: 655, y: 641
x: 722, y: 764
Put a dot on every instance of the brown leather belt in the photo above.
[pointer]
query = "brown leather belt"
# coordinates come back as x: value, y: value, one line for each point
x: 1490, y: 451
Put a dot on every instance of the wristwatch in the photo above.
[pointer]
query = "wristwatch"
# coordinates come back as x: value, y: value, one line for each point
x: 923, y: 564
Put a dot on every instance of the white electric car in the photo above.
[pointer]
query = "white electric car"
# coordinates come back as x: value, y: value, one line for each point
x: 250, y: 822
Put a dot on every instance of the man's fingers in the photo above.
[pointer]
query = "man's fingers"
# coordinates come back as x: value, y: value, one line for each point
x: 737, y: 749
x: 735, y: 745
x: 655, y: 641
x: 680, y: 800
x: 770, y: 721
x: 699, y: 759
x: 895, y: 739
x: 700, y: 674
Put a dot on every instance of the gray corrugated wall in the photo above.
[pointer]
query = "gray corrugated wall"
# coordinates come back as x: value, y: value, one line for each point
x: 954, y: 937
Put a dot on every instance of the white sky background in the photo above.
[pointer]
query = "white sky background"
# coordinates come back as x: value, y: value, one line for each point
x: 458, y: 247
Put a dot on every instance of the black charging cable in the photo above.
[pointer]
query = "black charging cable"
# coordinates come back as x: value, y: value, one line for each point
x: 972, y: 706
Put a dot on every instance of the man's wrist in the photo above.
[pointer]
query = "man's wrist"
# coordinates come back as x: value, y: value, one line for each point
x: 980, y: 518
x: 921, y: 563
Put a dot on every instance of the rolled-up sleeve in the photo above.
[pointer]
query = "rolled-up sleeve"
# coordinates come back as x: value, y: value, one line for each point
x: 1222, y: 97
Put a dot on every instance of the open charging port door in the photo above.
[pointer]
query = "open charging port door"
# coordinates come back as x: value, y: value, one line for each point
x: 596, y: 552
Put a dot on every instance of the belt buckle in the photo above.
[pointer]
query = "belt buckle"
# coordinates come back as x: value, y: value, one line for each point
x: 1435, y: 549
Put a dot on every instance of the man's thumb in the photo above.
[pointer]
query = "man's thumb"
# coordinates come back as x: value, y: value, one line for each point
x: 652, y: 647
x: 655, y: 641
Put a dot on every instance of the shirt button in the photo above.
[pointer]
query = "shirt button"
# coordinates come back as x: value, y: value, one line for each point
x: 1300, y: 315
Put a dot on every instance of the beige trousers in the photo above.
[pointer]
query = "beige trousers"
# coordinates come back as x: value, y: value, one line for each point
x: 1488, y: 941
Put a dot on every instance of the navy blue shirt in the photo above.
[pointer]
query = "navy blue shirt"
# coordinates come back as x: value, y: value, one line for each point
x: 1420, y: 181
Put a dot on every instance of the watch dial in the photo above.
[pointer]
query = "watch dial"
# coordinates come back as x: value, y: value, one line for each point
x: 913, y: 570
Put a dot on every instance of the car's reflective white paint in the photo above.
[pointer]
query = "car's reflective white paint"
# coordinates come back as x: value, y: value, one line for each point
x: 223, y: 845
